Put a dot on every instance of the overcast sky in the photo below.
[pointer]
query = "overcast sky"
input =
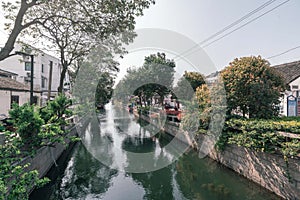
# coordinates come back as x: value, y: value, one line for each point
x: 271, y: 34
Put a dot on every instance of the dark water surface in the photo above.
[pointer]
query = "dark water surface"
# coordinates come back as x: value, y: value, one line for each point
x: 96, y: 168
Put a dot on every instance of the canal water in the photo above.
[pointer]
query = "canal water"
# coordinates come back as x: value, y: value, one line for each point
x: 97, y: 167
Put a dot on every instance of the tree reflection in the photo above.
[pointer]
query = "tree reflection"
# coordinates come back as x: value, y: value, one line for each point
x: 85, y: 176
x: 157, y: 184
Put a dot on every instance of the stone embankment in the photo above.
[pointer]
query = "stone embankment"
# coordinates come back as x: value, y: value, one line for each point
x: 270, y: 171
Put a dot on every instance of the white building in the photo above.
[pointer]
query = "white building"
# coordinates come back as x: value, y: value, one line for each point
x: 42, y: 64
x: 290, y: 103
x: 12, y: 91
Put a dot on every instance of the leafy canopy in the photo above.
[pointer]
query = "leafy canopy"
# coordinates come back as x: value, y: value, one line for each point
x: 252, y: 87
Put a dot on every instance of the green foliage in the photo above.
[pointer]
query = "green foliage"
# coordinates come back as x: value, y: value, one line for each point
x: 262, y: 135
x: 104, y: 89
x: 72, y: 28
x: 28, y: 123
x: 34, y: 129
x: 2, y: 128
x: 57, y: 110
x: 187, y: 85
x: 155, y: 77
x: 15, y: 178
x: 208, y: 101
x: 54, y: 115
x: 252, y: 87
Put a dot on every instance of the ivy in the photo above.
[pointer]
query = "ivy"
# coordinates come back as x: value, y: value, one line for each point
x: 262, y: 135
x: 15, y: 178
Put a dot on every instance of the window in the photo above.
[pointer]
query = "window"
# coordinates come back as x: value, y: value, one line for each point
x: 27, y: 66
x: 44, y: 82
x: 43, y: 70
x: 294, y: 87
x: 14, y: 99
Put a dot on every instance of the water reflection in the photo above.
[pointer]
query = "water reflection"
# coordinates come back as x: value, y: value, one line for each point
x: 85, y: 177
x: 119, y: 140
x: 114, y: 138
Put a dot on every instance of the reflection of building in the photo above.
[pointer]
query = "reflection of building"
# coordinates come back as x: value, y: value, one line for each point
x: 12, y: 91
x: 290, y: 102
x: 42, y: 64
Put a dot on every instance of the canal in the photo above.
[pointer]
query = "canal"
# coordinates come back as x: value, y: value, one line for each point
x: 102, y: 167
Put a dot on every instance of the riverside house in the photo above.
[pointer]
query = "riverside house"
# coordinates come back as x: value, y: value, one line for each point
x: 290, y: 102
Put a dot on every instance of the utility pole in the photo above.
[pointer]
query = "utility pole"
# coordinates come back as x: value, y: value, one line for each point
x: 50, y: 79
x: 31, y: 79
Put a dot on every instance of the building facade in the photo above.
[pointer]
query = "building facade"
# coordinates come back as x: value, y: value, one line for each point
x: 12, y: 91
x: 290, y: 102
x: 43, y: 63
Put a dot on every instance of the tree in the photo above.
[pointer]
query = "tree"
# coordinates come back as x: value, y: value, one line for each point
x: 94, y: 82
x: 72, y: 26
x: 104, y: 89
x: 187, y: 84
x: 252, y: 87
x: 162, y: 72
x: 194, y: 78
x: 154, y: 77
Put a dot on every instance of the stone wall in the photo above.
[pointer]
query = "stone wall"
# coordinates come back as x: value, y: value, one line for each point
x: 47, y: 156
x: 268, y: 170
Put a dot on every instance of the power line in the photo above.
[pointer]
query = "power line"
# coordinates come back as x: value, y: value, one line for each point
x: 246, y: 23
x: 241, y: 26
x: 228, y: 27
x: 276, y: 55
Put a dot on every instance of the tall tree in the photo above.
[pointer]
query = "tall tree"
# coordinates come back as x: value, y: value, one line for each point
x: 104, y: 89
x: 72, y: 26
x: 161, y: 69
x: 154, y: 77
x: 252, y: 87
x: 109, y: 16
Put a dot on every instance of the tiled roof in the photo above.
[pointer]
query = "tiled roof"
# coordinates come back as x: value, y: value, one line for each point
x: 11, y: 84
x: 7, y: 73
x: 289, y: 71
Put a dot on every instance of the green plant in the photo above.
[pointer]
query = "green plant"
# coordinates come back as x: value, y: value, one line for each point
x: 262, y: 136
x: 15, y: 178
x: 34, y: 128
x: 57, y: 110
x: 28, y: 124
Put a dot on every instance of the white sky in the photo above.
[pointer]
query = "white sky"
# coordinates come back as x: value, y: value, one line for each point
x: 271, y: 34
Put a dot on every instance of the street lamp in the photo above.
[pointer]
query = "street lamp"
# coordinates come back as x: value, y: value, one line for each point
x: 31, y: 73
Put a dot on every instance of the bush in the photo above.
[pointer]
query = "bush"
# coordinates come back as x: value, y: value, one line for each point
x: 261, y: 135
x: 34, y: 128
x: 28, y: 124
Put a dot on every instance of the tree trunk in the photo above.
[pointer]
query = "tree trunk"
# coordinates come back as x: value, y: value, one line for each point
x: 62, y: 78
x: 18, y: 27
